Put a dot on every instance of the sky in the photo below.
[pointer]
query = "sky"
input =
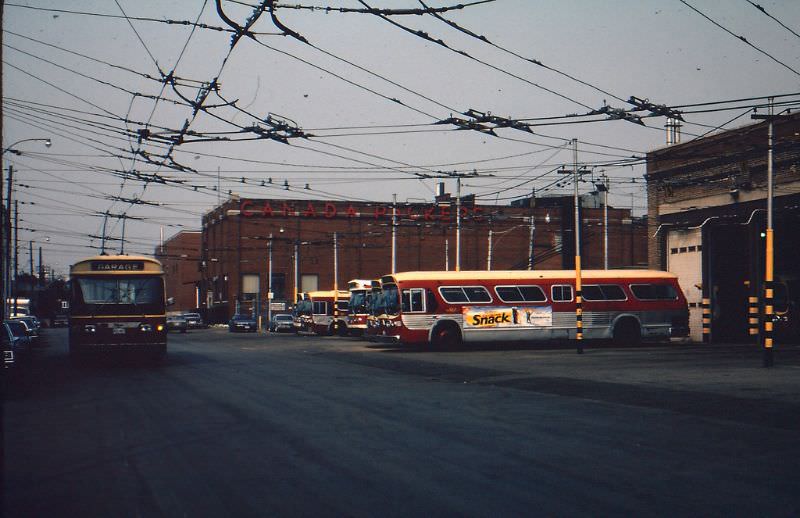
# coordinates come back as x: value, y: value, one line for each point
x: 157, y: 111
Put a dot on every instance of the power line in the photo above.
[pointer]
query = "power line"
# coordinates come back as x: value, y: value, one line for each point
x: 742, y: 38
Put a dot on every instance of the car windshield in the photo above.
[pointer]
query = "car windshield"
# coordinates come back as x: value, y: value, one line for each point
x: 17, y: 328
x: 287, y: 318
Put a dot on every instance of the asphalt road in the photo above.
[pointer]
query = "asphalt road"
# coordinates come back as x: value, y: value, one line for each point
x: 255, y: 425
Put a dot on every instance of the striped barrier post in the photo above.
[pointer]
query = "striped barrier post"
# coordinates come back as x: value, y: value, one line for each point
x: 706, y: 305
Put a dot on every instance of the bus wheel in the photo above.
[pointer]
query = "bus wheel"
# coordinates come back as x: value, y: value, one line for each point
x: 343, y: 331
x: 627, y: 332
x: 446, y: 336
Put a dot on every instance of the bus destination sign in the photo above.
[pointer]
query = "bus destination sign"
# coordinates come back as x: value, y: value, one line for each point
x: 117, y: 266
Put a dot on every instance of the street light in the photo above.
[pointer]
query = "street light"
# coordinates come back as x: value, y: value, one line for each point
x: 5, y: 260
x: 47, y: 143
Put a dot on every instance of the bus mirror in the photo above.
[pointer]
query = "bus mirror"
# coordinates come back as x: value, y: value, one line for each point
x: 170, y: 301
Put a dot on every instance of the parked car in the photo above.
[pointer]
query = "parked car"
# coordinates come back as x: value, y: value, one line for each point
x: 243, y: 323
x: 177, y: 323
x: 195, y: 321
x: 20, y: 340
x: 31, y: 327
x: 281, y: 322
x: 60, y: 320
x: 7, y: 345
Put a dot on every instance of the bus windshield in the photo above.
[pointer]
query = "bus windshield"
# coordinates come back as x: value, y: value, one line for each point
x: 358, y: 301
x: 111, y: 295
x: 391, y: 299
x: 303, y: 307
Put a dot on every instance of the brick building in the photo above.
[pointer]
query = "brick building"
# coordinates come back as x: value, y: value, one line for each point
x: 707, y: 217
x: 180, y: 256
x: 241, y: 235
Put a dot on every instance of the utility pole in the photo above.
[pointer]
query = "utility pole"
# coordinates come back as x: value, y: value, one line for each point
x: 458, y: 224
x: 576, y: 173
x: 394, y: 233
x: 296, y: 266
x: 3, y: 314
x: 41, y: 269
x: 14, y: 286
x: 335, y: 284
x: 533, y: 229
x: 270, y: 294
x: 602, y: 186
x: 7, y: 224
x: 489, y: 251
x: 769, y: 267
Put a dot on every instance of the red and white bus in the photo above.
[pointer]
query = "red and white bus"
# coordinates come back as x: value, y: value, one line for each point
x: 446, y: 308
x: 323, y: 312
x: 358, y: 306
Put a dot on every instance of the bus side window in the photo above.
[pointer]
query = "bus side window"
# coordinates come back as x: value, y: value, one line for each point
x: 430, y: 299
x: 413, y: 300
x: 561, y: 293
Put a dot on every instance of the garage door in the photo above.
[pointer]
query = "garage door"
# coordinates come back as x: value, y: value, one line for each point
x: 684, y: 259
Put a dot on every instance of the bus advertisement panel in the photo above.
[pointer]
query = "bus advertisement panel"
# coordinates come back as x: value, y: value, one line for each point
x: 448, y: 308
x: 117, y: 304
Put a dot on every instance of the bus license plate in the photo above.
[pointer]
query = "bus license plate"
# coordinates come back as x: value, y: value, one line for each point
x: 119, y: 331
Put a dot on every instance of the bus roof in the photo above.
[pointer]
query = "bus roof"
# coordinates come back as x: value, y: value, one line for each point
x: 106, y: 264
x: 516, y: 275
x: 359, y: 284
x: 327, y: 294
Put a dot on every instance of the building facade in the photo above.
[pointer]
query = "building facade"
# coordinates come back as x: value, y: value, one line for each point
x: 180, y: 256
x: 707, y: 212
x: 260, y: 252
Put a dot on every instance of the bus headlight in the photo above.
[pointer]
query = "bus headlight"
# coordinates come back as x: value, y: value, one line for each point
x: 160, y: 327
x: 146, y: 328
x: 90, y: 328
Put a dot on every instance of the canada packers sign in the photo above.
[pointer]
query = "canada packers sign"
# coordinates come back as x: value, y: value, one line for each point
x: 522, y: 316
x: 330, y: 210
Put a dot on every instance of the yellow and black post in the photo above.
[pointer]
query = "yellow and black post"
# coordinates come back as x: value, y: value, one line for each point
x: 752, y: 316
x: 768, y: 306
x: 578, y: 305
x: 706, y: 305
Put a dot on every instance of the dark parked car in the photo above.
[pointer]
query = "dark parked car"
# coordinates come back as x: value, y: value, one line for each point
x: 195, y: 320
x: 7, y: 345
x: 243, y: 323
x: 282, y: 322
x: 19, y: 339
x: 31, y: 326
x: 177, y: 323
